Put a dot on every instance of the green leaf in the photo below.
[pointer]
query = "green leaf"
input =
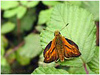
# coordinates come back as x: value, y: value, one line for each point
x: 10, y: 13
x: 4, y: 41
x: 2, y: 51
x: 29, y: 4
x: 32, y: 46
x: 11, y: 57
x: 80, y: 70
x: 8, y: 4
x: 40, y: 28
x: 93, y: 7
x: 50, y: 3
x: 49, y: 70
x: 5, y: 67
x: 32, y: 3
x: 21, y: 11
x: 81, y: 30
x: 94, y: 63
x: 44, y: 16
x: 72, y: 62
x: 7, y: 27
x: 28, y: 20
x: 78, y: 3
x: 24, y: 2
x: 23, y: 60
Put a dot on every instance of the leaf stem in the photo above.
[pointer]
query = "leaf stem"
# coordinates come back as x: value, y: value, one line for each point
x: 87, y: 72
x: 18, y: 29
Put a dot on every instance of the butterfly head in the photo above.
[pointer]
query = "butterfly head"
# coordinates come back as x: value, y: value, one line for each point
x: 57, y: 33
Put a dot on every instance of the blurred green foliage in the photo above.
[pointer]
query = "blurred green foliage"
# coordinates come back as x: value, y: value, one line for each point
x: 7, y: 27
x: 21, y: 25
x: 44, y: 16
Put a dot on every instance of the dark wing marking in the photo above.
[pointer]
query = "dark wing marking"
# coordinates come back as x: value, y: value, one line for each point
x: 67, y: 46
x: 47, y: 47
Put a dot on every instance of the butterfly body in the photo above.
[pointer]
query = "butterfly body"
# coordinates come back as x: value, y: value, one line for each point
x: 59, y: 45
x: 59, y: 48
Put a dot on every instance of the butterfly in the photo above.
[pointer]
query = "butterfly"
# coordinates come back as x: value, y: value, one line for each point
x: 60, y: 48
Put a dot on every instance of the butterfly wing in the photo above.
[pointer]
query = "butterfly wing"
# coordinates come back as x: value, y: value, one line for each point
x: 71, y: 49
x: 50, y: 53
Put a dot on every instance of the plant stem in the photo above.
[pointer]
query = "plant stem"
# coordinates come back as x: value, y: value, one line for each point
x: 97, y: 33
x: 18, y: 29
x: 14, y: 49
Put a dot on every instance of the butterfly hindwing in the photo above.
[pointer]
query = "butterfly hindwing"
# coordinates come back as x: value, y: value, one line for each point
x: 71, y: 49
x: 50, y: 53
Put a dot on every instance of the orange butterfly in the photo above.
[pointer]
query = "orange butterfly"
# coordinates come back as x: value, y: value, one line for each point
x: 59, y: 48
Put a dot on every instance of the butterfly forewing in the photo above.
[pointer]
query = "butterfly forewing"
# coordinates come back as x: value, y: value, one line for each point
x: 50, y: 53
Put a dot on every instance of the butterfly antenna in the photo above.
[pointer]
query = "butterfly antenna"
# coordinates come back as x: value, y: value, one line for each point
x: 64, y: 26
